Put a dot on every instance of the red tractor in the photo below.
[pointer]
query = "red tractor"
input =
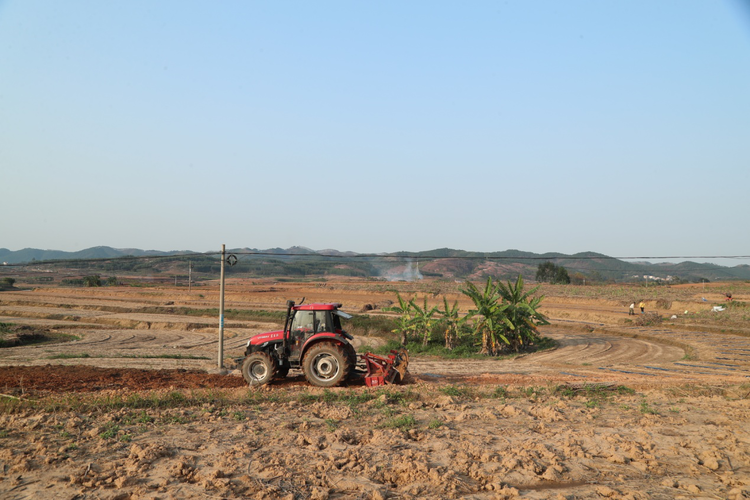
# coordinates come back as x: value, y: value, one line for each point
x: 314, y: 341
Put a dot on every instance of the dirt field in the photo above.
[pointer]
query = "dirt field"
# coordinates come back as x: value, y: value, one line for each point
x: 669, y: 418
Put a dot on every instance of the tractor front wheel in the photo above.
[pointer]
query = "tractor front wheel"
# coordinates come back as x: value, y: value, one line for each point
x: 259, y: 368
x: 326, y: 365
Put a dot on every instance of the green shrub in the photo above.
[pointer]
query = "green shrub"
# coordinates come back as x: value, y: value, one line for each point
x: 92, y: 281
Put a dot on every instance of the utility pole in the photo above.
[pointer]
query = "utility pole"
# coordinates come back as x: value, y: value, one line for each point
x: 190, y: 276
x: 221, y: 309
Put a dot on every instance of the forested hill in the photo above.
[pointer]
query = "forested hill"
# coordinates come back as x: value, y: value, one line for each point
x: 443, y: 263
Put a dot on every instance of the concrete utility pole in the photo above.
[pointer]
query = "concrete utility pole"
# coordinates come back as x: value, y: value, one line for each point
x: 190, y: 276
x: 221, y: 309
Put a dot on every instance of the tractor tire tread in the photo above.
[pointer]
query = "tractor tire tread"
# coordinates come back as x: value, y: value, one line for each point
x: 338, y: 352
x: 270, y: 364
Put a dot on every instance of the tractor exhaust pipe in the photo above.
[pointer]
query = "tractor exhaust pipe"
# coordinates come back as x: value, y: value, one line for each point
x: 289, y: 306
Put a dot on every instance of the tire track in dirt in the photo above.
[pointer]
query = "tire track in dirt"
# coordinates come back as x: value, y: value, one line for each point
x: 577, y: 357
x: 698, y: 364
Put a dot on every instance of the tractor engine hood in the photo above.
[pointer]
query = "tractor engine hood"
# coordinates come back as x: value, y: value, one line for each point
x: 262, y: 338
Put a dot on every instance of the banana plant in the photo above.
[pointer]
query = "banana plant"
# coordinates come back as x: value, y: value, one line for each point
x: 490, y: 319
x: 423, y: 319
x: 405, y: 324
x: 453, y: 322
x: 522, y: 313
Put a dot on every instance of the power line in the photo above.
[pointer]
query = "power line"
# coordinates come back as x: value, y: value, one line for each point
x: 406, y: 255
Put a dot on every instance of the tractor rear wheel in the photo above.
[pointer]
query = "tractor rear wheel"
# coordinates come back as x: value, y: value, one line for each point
x: 352, y: 355
x: 259, y: 368
x: 326, y: 365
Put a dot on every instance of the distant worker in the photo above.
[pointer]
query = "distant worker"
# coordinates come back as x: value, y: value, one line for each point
x: 632, y: 309
x: 642, y: 306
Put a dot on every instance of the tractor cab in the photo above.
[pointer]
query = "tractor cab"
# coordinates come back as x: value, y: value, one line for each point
x: 306, y: 321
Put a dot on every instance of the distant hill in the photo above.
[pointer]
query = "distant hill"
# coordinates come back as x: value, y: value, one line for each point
x: 443, y: 263
x: 34, y: 254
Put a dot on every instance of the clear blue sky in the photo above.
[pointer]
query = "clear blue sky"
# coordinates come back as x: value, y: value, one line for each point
x: 620, y: 127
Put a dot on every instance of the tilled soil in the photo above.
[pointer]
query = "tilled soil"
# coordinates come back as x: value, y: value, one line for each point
x: 554, y: 424
x: 33, y: 380
x: 421, y: 441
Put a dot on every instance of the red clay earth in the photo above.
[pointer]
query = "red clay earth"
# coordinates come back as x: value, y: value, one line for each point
x: 30, y: 380
x: 17, y: 380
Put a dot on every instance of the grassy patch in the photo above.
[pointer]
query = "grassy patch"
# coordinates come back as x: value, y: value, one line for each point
x: 403, y: 422
x: 86, y: 403
x: 646, y: 409
x: 110, y: 431
x: 463, y: 392
x: 166, y: 356
x: 353, y: 398
x: 592, y: 390
x: 435, y: 424
x: 500, y: 392
x: 595, y: 395
x: 396, y: 397
x: 466, y: 349
x: 332, y: 424
x: 237, y: 314
x: 71, y: 355
x: 20, y: 335
x: 137, y: 418
x: 307, y: 398
x: 533, y: 392
x: 148, y: 408
x: 175, y: 419
x: 435, y: 349
x: 371, y: 326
